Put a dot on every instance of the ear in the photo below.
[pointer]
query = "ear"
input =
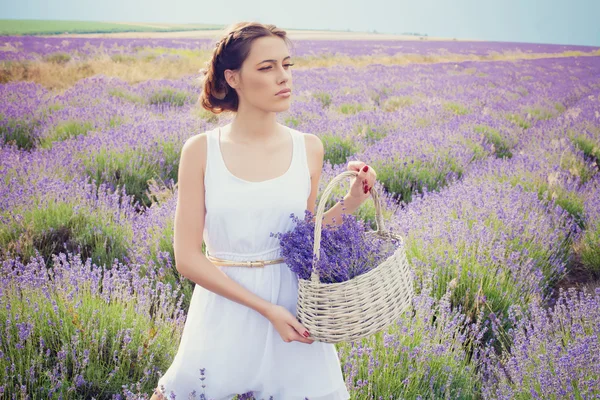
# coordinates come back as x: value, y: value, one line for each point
x: 231, y: 77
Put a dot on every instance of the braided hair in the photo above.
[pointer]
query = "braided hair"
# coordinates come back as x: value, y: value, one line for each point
x: 229, y: 53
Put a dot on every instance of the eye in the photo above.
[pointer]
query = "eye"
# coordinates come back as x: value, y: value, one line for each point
x: 266, y: 68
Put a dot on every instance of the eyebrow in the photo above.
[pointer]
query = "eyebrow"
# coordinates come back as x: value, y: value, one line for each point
x: 272, y: 60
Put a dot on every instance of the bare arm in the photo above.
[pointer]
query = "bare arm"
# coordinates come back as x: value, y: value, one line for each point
x: 189, y: 228
x: 315, y: 155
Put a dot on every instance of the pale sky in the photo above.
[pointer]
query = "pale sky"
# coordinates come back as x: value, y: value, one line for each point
x: 535, y: 21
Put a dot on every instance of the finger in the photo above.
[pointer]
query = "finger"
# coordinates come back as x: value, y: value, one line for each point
x: 293, y: 334
x: 302, y: 339
x: 300, y: 329
x: 355, y: 165
x: 364, y: 174
x: 365, y: 178
x: 369, y: 176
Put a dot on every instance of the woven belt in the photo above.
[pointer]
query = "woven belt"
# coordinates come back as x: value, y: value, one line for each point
x: 251, y: 264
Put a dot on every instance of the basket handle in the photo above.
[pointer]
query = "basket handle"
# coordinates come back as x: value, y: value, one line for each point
x: 314, y: 276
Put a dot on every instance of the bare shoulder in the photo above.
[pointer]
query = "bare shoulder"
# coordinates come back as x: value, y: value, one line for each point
x: 314, y: 152
x: 194, y: 150
x: 314, y: 145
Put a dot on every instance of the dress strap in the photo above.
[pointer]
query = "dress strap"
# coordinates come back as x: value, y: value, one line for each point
x: 212, y: 164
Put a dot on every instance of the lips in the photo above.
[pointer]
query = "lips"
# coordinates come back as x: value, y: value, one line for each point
x: 283, y: 91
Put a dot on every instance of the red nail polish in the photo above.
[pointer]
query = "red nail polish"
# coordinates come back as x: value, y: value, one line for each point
x: 365, y: 168
x: 366, y: 190
x: 306, y: 334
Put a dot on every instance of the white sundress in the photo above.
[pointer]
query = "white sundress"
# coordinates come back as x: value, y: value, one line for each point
x: 238, y: 349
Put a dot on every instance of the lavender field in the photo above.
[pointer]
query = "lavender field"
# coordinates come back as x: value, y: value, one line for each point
x: 488, y: 161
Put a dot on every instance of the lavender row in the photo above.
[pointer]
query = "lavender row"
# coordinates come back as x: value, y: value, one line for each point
x: 454, y: 132
x: 35, y: 48
x: 80, y: 331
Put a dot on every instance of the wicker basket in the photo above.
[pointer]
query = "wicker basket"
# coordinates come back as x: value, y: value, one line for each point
x: 366, y: 304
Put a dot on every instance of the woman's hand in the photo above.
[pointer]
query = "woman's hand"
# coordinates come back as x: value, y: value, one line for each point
x: 287, y: 325
x: 360, y: 186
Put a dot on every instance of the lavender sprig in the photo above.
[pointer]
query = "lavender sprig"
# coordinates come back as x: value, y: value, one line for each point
x: 345, y: 250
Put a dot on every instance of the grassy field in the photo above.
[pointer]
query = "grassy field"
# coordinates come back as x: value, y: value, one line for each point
x: 50, y: 27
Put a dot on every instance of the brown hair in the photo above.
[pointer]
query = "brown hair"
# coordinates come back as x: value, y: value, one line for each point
x: 229, y: 53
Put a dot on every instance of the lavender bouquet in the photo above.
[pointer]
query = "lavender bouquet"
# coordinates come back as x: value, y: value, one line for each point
x: 345, y: 251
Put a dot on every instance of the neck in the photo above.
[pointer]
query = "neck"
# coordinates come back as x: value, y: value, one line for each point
x: 255, y: 126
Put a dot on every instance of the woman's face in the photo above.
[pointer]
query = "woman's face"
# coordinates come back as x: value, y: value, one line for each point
x: 265, y: 72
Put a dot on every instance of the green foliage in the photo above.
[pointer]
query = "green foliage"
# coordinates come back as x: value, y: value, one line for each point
x: 352, y: 108
x: 590, y: 248
x: 375, y: 94
x: 66, y: 130
x: 404, y: 367
x: 123, y: 94
x: 371, y: 133
x: 116, y: 121
x: 49, y: 27
x: 518, y: 120
x: 20, y: 132
x: 291, y: 121
x: 64, y: 227
x: 208, y: 116
x: 163, y: 96
x: 163, y: 236
x: 588, y: 146
x: 169, y: 96
x: 501, y: 146
x: 569, y: 201
x: 522, y: 91
x: 539, y: 113
x: 338, y: 149
x: 394, y: 103
x: 577, y: 166
x: 133, y: 169
x: 323, y: 97
x: 81, y: 331
x: 44, y: 112
x: 123, y: 58
x: 403, y: 178
x: 456, y: 108
x: 58, y: 58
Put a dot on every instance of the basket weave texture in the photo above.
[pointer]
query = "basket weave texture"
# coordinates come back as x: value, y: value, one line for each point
x: 364, y: 305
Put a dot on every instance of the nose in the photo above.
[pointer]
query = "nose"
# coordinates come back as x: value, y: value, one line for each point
x: 284, y: 75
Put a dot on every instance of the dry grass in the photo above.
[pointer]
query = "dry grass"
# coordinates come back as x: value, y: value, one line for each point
x: 404, y: 59
x: 60, y: 76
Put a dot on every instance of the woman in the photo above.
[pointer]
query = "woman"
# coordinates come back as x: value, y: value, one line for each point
x: 237, y: 184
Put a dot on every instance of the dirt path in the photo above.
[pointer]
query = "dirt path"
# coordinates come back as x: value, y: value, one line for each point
x: 577, y: 277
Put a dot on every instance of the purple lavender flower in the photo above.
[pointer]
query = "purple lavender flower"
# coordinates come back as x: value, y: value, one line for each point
x: 346, y: 251
x: 559, y: 346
